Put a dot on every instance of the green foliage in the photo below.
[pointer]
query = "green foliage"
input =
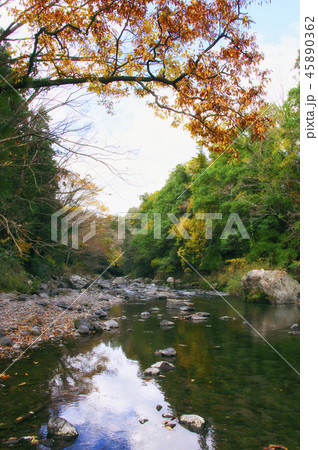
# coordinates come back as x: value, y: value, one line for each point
x: 13, y: 275
x: 28, y: 173
x: 261, y: 185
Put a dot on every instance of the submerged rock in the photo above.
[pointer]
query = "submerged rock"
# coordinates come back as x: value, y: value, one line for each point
x: 271, y: 286
x: 192, y: 422
x: 59, y: 427
x: 227, y: 318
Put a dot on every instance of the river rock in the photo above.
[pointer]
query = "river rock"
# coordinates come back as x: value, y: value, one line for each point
x: 161, y: 297
x: 187, y: 308
x: 62, y: 304
x: 163, y: 366
x: 78, y: 282
x: 61, y: 428
x: 101, y: 314
x: 6, y: 341
x: 42, y: 302
x: 167, y: 352
x: 170, y: 280
x: 145, y: 314
x: 142, y: 421
x: 84, y: 322
x: 174, y: 304
x: 271, y: 286
x: 97, y: 327
x: 152, y: 372
x: 192, y: 422
x: 227, y: 318
x: 166, y: 324
x: 168, y: 415
x: 83, y: 329
x: 110, y: 324
x: 101, y: 283
x: 200, y: 316
x: 22, y: 298
x: 35, y: 331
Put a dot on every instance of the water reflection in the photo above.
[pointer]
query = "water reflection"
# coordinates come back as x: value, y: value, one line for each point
x: 111, y: 399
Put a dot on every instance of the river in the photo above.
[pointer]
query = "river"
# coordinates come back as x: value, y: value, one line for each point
x: 224, y: 372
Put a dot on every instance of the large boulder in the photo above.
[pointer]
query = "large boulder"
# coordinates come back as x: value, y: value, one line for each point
x: 271, y: 286
x: 78, y: 282
x: 61, y: 428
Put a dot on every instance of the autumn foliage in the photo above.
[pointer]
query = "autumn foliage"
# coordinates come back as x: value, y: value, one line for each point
x: 193, y: 60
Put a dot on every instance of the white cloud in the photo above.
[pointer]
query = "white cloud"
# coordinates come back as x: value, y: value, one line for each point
x: 280, y: 59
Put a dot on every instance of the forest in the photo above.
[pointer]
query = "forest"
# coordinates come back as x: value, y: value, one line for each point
x: 176, y: 323
x: 247, y: 151
x: 259, y: 182
x: 256, y: 179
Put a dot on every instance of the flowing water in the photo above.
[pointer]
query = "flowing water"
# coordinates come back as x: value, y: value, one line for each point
x: 224, y: 372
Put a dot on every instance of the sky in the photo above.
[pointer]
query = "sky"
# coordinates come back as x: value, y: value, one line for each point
x: 157, y: 147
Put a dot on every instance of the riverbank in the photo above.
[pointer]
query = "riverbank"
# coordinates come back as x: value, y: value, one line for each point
x: 67, y: 309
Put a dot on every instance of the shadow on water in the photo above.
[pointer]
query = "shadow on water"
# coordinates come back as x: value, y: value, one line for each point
x: 223, y: 372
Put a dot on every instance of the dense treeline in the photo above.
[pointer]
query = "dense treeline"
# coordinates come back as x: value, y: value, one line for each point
x: 34, y: 184
x: 260, y: 183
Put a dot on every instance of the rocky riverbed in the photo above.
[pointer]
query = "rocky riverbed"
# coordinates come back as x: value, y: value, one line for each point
x: 70, y: 308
